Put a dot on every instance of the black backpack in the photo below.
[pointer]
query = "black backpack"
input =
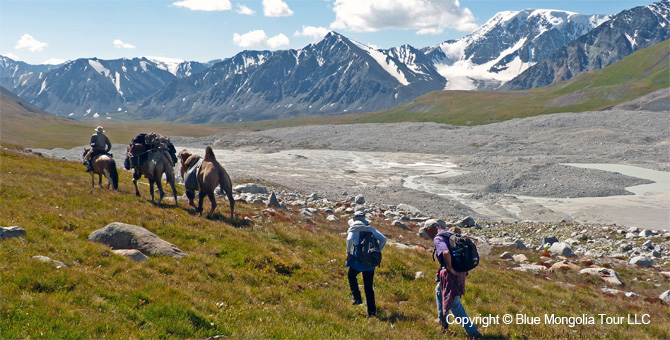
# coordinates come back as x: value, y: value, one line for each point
x: 464, y: 255
x: 367, y: 249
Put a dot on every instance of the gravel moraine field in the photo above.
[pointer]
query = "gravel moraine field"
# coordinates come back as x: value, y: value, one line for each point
x: 510, y: 171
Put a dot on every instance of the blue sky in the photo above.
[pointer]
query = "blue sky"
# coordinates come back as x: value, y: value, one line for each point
x: 39, y: 31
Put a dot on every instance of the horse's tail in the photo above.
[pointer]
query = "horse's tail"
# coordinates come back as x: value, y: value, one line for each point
x: 209, y: 154
x: 114, y: 174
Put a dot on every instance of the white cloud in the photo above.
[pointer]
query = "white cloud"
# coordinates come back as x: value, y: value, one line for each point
x: 205, y: 5
x: 426, y: 16
x: 258, y: 39
x: 245, y: 10
x: 120, y: 44
x: 276, y: 8
x: 54, y: 61
x: 31, y: 44
x: 315, y: 33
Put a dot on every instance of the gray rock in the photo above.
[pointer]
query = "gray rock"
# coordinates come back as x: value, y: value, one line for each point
x: 359, y: 199
x: 646, y: 233
x: 313, y: 197
x: 127, y: 236
x: 608, y: 275
x: 10, y: 232
x: 517, y: 244
x: 408, y: 208
x: 306, y: 213
x: 631, y: 295
x: 467, y: 222
x: 665, y: 296
x: 520, y: 258
x: 332, y: 218
x: 561, y: 248
x: 46, y: 259
x: 611, y: 291
x: 399, y: 224
x: 132, y: 254
x: 533, y: 268
x: 251, y: 188
x: 420, y: 275
x: 551, y: 240
x: 273, y: 201
x: 506, y: 256
x: 642, y: 261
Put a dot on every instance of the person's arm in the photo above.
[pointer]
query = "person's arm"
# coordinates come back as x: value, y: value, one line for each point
x: 93, y: 141
x: 350, y: 244
x: 381, y: 238
x: 108, y: 144
x: 447, y: 260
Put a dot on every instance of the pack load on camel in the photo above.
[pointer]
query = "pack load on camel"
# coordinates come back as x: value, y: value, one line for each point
x: 153, y: 156
x: 149, y: 147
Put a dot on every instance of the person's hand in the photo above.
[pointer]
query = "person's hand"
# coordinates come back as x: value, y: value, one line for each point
x: 348, y: 256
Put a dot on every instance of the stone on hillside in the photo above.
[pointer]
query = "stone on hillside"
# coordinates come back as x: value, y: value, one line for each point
x: 132, y: 254
x: 273, y: 201
x: 648, y: 244
x: 359, y: 199
x: 400, y: 245
x: 408, y: 208
x: 313, y: 197
x: 332, y: 218
x: 10, y: 232
x: 517, y: 244
x: 399, y: 224
x: 561, y: 248
x: 251, y: 188
x: 646, y: 233
x: 611, y: 291
x: 520, y: 258
x: 467, y: 222
x: 506, y: 256
x: 127, y: 236
x: 608, y: 275
x: 665, y: 296
x: 551, y: 240
x: 46, y: 259
x: 306, y: 213
x: 642, y: 261
x: 631, y: 295
x: 533, y: 268
x: 665, y: 274
x: 564, y: 266
x: 420, y: 275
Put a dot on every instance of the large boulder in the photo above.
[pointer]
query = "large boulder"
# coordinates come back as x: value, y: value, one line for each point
x: 561, y: 248
x: 9, y: 232
x: 642, y: 261
x: 127, y: 236
x: 467, y: 222
x: 608, y: 275
x: 251, y: 188
x: 665, y: 296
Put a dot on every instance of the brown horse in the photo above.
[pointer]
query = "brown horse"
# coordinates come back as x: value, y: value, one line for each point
x: 161, y: 165
x: 210, y: 175
x: 102, y: 165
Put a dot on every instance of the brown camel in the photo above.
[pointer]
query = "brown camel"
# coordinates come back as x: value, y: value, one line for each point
x: 210, y: 175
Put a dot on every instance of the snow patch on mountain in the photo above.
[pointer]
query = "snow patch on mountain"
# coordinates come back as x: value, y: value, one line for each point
x: 385, y: 62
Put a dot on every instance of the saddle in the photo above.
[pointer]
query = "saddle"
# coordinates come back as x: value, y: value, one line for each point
x: 191, y: 178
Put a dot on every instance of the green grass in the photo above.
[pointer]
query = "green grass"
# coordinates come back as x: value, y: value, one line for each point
x: 277, y: 275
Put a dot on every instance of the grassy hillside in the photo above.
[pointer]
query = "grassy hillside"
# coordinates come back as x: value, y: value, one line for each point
x: 25, y: 124
x: 277, y: 275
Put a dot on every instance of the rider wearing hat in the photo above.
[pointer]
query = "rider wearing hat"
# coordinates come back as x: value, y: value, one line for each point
x: 100, y: 145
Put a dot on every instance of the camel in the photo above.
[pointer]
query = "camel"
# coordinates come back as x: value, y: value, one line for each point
x: 209, y: 176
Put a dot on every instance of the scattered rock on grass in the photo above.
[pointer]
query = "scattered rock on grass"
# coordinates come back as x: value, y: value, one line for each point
x: 127, y: 236
x: 9, y: 232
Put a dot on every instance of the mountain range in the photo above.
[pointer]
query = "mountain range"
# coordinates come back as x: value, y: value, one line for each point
x: 337, y: 75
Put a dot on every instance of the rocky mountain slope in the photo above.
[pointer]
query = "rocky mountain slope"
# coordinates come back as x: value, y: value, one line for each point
x: 627, y: 32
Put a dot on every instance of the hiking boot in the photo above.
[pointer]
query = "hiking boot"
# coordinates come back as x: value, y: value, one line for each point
x: 356, y: 302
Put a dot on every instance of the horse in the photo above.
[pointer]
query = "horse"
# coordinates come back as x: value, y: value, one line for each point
x: 163, y: 166
x: 102, y: 165
x: 210, y: 175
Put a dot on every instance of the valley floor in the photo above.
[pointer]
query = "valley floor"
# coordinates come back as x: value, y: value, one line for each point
x: 608, y: 167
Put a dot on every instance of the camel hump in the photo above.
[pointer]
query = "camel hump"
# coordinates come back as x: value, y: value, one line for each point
x: 209, y: 154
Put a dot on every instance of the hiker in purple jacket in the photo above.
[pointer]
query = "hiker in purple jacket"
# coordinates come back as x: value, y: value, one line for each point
x: 357, y: 225
x: 451, y: 284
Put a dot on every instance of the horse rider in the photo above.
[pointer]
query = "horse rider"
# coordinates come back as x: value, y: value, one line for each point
x: 100, y: 145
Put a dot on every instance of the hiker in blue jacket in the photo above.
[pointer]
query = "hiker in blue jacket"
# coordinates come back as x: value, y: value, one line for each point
x: 356, y: 225
x: 450, y: 284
